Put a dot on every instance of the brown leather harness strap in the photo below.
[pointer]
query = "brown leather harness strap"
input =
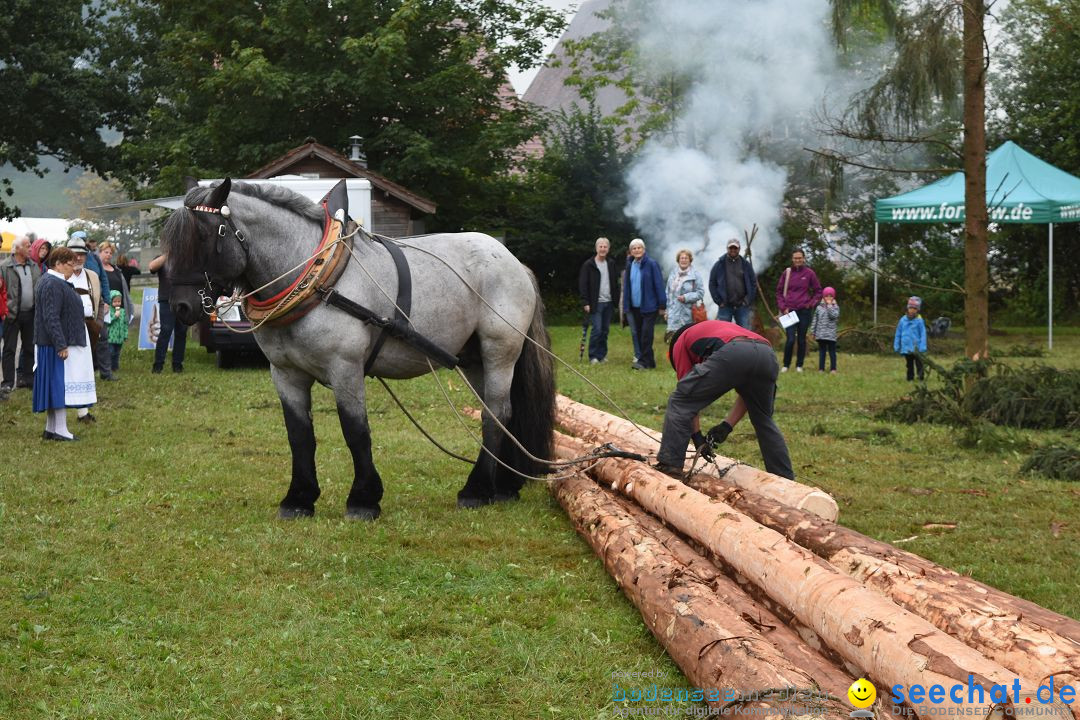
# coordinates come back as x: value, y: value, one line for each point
x: 322, y: 270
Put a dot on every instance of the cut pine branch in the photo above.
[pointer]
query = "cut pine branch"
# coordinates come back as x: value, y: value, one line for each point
x: 716, y: 647
x: 598, y: 426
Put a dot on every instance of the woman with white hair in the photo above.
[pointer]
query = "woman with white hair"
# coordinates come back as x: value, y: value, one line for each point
x: 685, y: 288
x: 643, y: 299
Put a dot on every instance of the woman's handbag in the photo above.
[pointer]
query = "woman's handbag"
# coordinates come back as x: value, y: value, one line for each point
x: 698, y: 312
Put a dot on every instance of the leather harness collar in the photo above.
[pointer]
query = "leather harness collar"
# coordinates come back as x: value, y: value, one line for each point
x: 321, y: 271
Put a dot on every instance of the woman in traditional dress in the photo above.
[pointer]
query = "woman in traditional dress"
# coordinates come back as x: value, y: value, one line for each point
x: 58, y: 331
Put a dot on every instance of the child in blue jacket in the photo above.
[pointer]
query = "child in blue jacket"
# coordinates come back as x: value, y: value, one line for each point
x: 910, y: 337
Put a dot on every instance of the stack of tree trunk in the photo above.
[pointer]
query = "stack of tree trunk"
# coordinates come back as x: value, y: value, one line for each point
x: 749, y: 592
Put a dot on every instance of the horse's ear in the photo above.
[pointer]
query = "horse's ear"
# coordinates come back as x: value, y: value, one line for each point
x: 220, y: 194
x: 190, y: 183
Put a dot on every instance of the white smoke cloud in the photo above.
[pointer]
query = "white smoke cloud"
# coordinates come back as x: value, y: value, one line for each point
x: 759, y: 69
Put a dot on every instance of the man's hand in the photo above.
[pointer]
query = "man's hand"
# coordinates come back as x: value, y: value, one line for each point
x: 703, y: 446
x: 586, y: 309
x: 718, y: 433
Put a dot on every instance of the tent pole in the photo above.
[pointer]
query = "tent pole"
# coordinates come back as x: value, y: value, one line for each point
x: 1050, y: 300
x: 876, y: 268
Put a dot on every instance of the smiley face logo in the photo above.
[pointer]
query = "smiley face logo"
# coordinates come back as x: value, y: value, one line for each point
x: 862, y: 693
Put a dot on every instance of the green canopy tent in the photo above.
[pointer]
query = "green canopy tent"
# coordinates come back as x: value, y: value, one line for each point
x: 1020, y: 188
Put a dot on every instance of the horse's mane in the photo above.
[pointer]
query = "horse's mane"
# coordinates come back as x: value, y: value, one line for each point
x: 180, y: 237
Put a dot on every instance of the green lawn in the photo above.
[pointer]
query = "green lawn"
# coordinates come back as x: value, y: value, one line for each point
x: 143, y: 573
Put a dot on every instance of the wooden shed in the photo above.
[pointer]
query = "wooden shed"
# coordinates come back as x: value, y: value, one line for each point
x: 395, y: 210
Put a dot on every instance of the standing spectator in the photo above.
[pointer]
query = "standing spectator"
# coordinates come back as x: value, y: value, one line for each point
x: 113, y: 279
x: 117, y: 320
x: 3, y: 316
x: 624, y: 316
x: 685, y: 288
x: 797, y: 289
x: 171, y: 327
x: 824, y: 328
x: 129, y: 267
x: 93, y: 262
x: 80, y: 364
x: 643, y: 299
x: 910, y: 339
x: 39, y: 250
x: 59, y: 333
x: 21, y: 276
x: 596, y: 284
x: 733, y: 286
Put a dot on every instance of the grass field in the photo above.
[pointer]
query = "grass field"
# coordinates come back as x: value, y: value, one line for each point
x: 143, y: 573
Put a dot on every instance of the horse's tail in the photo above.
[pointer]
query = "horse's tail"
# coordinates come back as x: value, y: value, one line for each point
x: 532, y: 402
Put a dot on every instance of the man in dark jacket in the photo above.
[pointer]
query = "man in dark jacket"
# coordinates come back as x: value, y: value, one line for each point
x: 596, y: 284
x: 21, y: 276
x: 733, y: 286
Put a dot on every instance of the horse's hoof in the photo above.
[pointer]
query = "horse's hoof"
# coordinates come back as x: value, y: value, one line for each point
x: 362, y: 513
x: 507, y: 497
x: 294, y: 513
x: 471, y: 503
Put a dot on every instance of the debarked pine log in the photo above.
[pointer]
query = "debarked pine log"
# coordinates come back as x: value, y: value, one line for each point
x: 826, y: 674
x: 592, y: 424
x: 718, y: 650
x: 891, y: 645
x: 1024, y: 637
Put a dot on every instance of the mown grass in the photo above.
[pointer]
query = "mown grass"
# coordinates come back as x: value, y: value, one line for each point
x: 143, y: 573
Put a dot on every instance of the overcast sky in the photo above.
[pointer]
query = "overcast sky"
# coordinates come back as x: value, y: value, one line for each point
x: 521, y: 80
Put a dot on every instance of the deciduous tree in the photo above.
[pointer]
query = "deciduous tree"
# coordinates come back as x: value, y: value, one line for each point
x: 225, y: 87
x: 57, y: 91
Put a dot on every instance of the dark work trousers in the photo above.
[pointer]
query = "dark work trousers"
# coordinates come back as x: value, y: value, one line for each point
x: 826, y: 346
x: 600, y: 319
x: 798, y: 332
x: 644, y: 323
x: 913, y: 362
x: 170, y: 326
x: 20, y: 326
x: 748, y: 368
x: 104, y: 354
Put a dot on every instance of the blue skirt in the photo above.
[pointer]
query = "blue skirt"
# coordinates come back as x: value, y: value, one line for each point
x: 48, y: 380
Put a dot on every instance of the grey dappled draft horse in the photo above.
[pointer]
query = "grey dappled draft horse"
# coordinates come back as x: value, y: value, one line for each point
x: 327, y: 345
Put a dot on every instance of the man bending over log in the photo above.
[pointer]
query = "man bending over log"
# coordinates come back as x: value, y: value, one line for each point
x: 710, y: 358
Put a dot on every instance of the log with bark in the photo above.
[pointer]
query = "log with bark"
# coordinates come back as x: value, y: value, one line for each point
x: 719, y: 648
x: 891, y: 645
x: 1024, y: 637
x: 592, y: 424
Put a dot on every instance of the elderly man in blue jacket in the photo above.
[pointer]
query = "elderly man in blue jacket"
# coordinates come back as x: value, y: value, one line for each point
x: 733, y: 286
x: 644, y: 297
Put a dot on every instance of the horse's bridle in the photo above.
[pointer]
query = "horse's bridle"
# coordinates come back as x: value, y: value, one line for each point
x: 207, y: 295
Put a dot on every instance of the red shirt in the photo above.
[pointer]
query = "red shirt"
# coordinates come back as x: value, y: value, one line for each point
x: 703, y: 339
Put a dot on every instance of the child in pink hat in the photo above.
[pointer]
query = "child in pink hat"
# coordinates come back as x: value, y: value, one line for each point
x: 824, y: 328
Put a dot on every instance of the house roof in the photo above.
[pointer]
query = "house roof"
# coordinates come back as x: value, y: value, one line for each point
x: 549, y: 89
x: 282, y: 164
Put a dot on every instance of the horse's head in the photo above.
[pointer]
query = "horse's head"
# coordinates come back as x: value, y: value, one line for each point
x: 205, y: 250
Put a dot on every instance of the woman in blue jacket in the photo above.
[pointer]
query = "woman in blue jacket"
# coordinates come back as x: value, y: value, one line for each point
x: 644, y: 297
x: 910, y: 337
